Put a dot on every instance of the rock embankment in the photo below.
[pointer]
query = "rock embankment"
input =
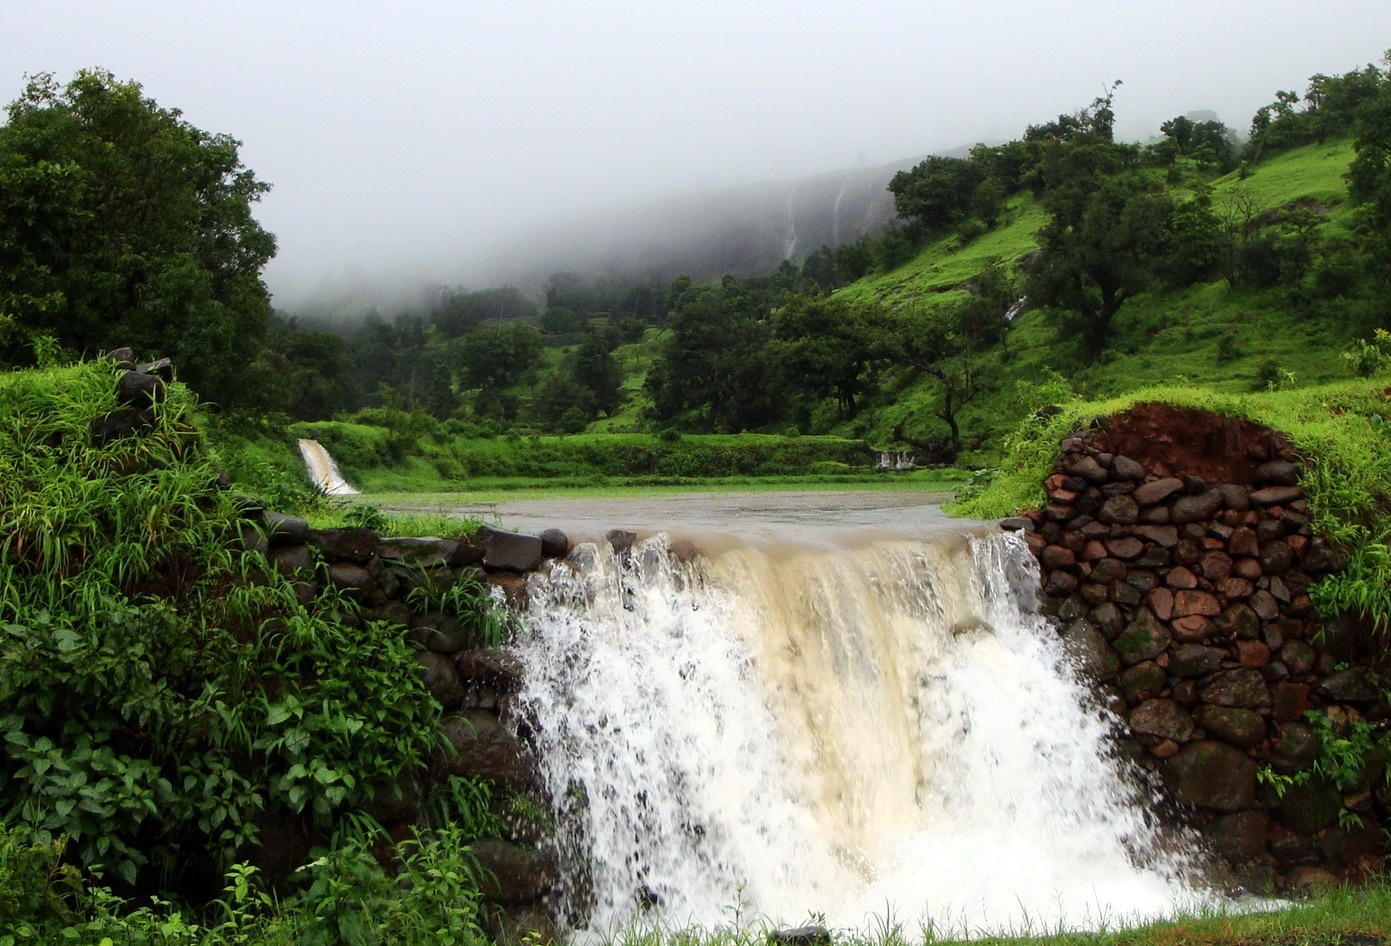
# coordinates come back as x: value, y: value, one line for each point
x: 1176, y: 555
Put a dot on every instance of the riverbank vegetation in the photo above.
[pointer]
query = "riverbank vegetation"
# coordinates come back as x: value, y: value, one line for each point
x: 174, y: 711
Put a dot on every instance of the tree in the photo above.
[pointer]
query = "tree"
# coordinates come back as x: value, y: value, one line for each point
x: 823, y: 347
x: 597, y: 372
x: 495, y: 359
x: 1369, y: 177
x: 937, y: 192
x: 1097, y: 252
x: 123, y: 224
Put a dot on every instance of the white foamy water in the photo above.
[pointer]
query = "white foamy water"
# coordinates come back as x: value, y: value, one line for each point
x: 854, y: 733
x: 322, y: 470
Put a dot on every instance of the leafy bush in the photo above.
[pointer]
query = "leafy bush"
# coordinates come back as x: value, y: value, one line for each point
x: 163, y: 688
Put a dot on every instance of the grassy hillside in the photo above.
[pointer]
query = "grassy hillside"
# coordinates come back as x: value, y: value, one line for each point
x: 1229, y: 338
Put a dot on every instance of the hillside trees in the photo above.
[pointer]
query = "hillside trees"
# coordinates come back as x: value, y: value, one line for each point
x: 123, y: 224
x: 1369, y: 177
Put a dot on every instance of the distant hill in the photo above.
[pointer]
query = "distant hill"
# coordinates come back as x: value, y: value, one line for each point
x: 740, y: 230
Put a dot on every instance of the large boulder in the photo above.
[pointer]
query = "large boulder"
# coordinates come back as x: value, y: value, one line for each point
x: 479, y: 746
x: 509, y: 551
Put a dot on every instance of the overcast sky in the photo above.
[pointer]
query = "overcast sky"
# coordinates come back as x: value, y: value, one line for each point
x: 402, y: 138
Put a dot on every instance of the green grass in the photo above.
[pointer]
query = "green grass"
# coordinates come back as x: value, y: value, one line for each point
x: 1158, y: 337
x: 937, y: 275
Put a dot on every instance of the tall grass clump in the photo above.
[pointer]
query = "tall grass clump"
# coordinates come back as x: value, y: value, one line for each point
x: 1340, y: 431
x: 164, y: 694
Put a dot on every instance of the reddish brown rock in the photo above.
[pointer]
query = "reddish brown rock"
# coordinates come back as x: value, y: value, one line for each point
x: 1196, y: 603
x: 1192, y: 629
x: 1216, y: 565
x: 1143, y: 681
x: 1156, y: 491
x: 1127, y: 547
x: 1181, y: 577
x: 1235, y: 589
x: 1161, y: 600
x: 1093, y: 550
x: 1253, y: 654
x: 1273, y: 495
x: 1243, y: 543
x: 1119, y: 510
x: 1055, y: 557
x: 1247, y: 568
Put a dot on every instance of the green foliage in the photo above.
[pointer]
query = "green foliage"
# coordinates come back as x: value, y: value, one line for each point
x: 1367, y: 358
x: 342, y: 898
x: 161, y: 687
x: 122, y: 224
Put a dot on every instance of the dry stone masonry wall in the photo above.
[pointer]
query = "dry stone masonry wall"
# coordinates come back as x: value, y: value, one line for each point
x: 1178, y: 573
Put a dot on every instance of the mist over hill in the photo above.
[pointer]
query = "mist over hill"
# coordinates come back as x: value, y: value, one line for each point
x: 739, y: 231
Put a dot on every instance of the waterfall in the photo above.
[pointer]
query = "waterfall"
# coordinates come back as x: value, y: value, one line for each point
x: 323, y: 472
x: 789, y: 245
x: 850, y: 732
x: 835, y: 211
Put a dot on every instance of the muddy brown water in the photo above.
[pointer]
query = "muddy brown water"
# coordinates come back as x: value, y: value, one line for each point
x: 748, y: 516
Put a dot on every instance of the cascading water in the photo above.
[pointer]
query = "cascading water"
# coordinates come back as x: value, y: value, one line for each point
x: 850, y: 732
x: 322, y: 470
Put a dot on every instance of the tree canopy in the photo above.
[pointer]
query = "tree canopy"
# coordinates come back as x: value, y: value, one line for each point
x: 123, y: 224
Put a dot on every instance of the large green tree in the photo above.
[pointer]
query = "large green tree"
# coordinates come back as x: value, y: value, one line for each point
x: 123, y: 224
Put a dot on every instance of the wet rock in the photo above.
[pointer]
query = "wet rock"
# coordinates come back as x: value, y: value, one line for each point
x: 1212, y: 774
x: 1197, y: 508
x: 490, y: 667
x: 556, y: 544
x: 1055, y: 557
x: 1161, y: 601
x: 801, y: 936
x: 508, y: 551
x: 118, y: 424
x: 1291, y: 700
x: 1195, y: 660
x: 1144, y: 638
x: 1143, y: 681
x: 513, y: 873
x: 1163, y: 536
x: 479, y: 746
x: 1120, y: 510
x: 1243, y: 687
x: 1309, y: 806
x: 1156, y: 491
x: 1307, y: 879
x: 352, y: 544
x: 1276, y: 495
x: 622, y: 540
x: 1296, y: 748
x: 1088, y: 648
x: 1088, y: 469
x: 1127, y: 469
x: 1162, y: 719
x: 1239, y: 837
x: 440, y: 678
x: 418, y: 552
x: 1240, y: 727
x: 1346, y: 686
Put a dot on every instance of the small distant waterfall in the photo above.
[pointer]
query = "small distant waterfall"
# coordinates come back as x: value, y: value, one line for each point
x: 834, y: 732
x: 835, y: 212
x: 789, y: 246
x: 323, y: 472
x: 1013, y: 311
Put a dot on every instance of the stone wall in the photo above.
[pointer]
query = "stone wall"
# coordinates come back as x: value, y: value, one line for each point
x: 1176, y: 555
x: 474, y: 683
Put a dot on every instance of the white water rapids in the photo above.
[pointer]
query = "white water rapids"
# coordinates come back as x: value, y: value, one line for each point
x: 885, y: 731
